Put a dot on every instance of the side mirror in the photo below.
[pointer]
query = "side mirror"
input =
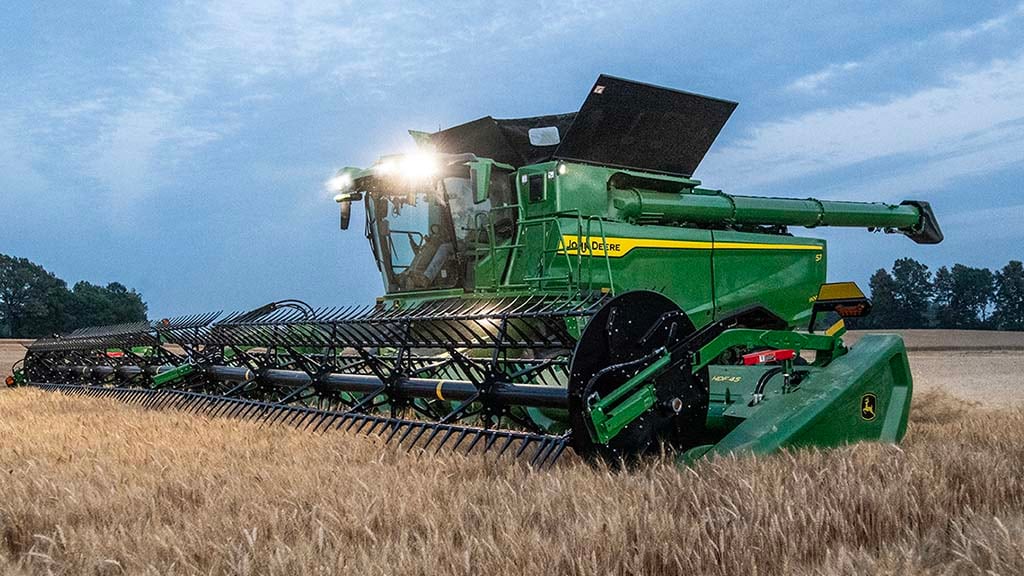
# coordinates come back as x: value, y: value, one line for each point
x: 479, y: 180
x: 345, y: 201
x: 346, y: 213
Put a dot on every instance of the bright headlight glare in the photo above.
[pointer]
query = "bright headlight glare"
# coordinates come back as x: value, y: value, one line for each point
x: 340, y: 183
x: 417, y: 166
x: 386, y: 167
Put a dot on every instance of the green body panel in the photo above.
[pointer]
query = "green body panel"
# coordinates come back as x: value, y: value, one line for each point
x: 783, y: 280
x: 596, y: 228
x: 826, y: 409
x: 708, y: 273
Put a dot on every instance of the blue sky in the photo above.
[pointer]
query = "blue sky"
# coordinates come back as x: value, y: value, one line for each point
x: 182, y: 149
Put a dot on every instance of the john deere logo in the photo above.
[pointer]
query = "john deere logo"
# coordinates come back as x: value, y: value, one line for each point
x: 867, y: 407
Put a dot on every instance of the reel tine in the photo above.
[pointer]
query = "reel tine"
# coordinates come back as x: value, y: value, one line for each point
x: 226, y: 405
x: 491, y: 439
x: 394, y: 431
x: 508, y: 442
x: 304, y: 416
x: 261, y: 414
x: 523, y: 444
x: 558, y: 452
x: 552, y: 446
x: 377, y: 426
x: 151, y: 399
x: 435, y: 429
x: 409, y: 430
x: 426, y: 426
x: 444, y: 439
x: 540, y: 452
x: 462, y: 436
x: 162, y: 398
x: 364, y: 420
x: 318, y: 417
x: 340, y: 422
x: 354, y: 418
x: 271, y: 415
x: 252, y: 411
x: 234, y: 410
x: 326, y: 422
x: 476, y: 439
x: 274, y: 417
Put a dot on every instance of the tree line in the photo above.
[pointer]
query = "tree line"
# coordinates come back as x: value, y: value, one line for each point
x: 962, y: 297
x: 35, y: 303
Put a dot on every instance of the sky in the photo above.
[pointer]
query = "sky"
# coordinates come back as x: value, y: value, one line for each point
x: 181, y: 149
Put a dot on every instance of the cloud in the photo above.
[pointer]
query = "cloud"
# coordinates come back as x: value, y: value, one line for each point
x: 814, y: 82
x: 233, y: 49
x: 997, y: 23
x: 19, y: 158
x: 971, y: 123
x: 905, y: 51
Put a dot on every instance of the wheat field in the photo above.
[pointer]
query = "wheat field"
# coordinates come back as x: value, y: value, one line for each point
x: 90, y: 486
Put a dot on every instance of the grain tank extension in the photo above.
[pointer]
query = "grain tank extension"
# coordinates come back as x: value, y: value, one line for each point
x: 551, y: 282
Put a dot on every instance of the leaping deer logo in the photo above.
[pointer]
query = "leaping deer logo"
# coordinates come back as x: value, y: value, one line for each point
x: 867, y: 407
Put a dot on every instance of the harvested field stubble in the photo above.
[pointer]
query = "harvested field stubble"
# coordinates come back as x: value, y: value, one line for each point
x: 92, y: 486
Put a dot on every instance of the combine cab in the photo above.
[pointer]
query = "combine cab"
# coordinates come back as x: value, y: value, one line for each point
x: 552, y: 282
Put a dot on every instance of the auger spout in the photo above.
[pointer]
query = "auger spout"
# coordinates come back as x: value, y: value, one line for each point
x: 912, y: 218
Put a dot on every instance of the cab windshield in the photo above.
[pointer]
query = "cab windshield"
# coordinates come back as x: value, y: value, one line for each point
x: 414, y: 234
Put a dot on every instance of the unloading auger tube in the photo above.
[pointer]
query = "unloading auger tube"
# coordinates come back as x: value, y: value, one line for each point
x: 551, y: 283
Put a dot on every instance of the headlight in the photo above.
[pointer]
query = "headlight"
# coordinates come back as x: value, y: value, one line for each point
x: 339, y: 183
x: 418, y: 166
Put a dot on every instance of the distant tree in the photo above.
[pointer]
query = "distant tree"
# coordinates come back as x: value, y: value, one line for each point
x: 883, y: 302
x: 1008, y: 299
x: 912, y: 293
x: 32, y: 300
x: 963, y: 296
x: 91, y: 305
x: 943, y: 295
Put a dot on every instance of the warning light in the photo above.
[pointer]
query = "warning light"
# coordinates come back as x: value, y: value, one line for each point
x: 765, y: 356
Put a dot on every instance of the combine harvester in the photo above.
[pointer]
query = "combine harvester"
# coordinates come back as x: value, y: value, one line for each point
x: 551, y: 282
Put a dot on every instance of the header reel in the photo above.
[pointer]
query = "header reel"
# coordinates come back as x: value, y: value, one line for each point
x: 507, y: 375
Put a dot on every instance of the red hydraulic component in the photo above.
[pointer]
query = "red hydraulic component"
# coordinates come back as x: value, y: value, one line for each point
x: 765, y: 356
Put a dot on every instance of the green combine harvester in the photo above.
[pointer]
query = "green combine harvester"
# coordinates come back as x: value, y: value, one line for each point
x: 551, y: 282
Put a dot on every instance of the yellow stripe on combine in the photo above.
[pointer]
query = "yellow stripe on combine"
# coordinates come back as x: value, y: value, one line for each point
x: 618, y: 247
x: 753, y: 246
x: 840, y: 325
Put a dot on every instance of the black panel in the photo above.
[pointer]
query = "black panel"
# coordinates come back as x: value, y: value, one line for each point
x: 536, y: 183
x: 632, y: 125
x: 506, y: 141
x: 481, y: 137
